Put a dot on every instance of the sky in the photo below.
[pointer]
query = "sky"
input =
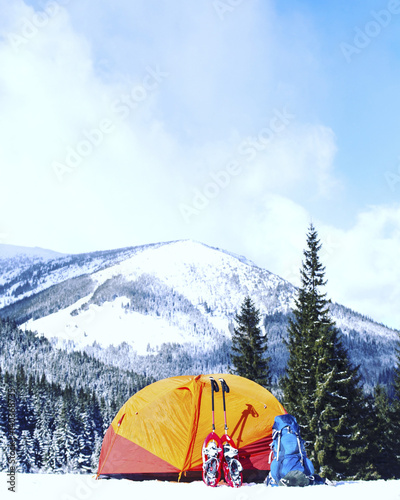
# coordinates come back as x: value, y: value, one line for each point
x: 236, y: 123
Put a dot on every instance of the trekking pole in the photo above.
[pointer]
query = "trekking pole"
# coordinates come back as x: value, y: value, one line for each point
x: 225, y: 389
x: 231, y: 465
x: 212, y: 452
x: 214, y: 388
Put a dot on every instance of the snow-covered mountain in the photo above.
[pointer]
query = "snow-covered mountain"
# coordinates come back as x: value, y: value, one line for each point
x: 182, y: 292
x: 28, y: 253
x: 211, y: 282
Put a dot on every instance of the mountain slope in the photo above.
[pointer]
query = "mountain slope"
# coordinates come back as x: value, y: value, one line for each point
x: 24, y: 275
x: 29, y: 253
x: 183, y: 293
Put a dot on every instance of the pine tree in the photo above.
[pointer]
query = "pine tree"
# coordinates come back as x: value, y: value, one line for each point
x: 395, y: 411
x: 26, y: 457
x: 87, y: 443
x: 249, y: 346
x: 384, y: 436
x: 57, y: 459
x: 340, y: 442
x: 309, y: 315
x: 4, y: 444
x: 42, y: 435
x: 320, y: 386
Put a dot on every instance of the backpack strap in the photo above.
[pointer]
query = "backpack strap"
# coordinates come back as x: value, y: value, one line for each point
x: 274, y: 436
x: 279, y: 444
x: 270, y: 456
x: 300, y: 450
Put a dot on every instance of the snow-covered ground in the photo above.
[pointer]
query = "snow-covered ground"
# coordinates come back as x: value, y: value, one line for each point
x: 108, y: 324
x: 85, y: 487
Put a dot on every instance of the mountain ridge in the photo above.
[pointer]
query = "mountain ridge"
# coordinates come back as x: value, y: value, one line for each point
x: 182, y: 293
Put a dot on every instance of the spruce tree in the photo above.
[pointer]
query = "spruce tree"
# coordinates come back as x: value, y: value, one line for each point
x: 320, y: 386
x: 340, y: 446
x: 309, y: 315
x: 4, y: 443
x: 249, y: 346
x: 395, y: 411
x: 26, y: 454
x: 384, y: 453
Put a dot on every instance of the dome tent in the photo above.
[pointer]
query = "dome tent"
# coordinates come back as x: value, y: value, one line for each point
x: 159, y: 432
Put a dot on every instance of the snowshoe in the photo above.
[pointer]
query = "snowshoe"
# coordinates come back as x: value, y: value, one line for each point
x: 232, y: 467
x: 212, y: 457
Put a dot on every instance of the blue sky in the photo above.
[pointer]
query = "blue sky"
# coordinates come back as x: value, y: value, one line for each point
x: 230, y: 122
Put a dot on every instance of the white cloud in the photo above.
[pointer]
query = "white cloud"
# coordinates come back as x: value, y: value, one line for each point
x: 53, y: 110
x: 221, y: 84
x: 362, y: 263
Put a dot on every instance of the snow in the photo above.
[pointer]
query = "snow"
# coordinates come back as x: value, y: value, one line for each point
x: 196, y: 271
x: 11, y: 251
x: 213, y: 280
x: 85, y: 487
x: 108, y: 324
x: 361, y: 324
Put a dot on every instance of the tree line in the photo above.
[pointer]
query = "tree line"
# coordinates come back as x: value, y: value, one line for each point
x: 52, y: 428
x: 55, y: 406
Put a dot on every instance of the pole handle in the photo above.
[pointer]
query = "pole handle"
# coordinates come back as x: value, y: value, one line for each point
x: 214, y: 388
x: 225, y: 388
x: 224, y: 385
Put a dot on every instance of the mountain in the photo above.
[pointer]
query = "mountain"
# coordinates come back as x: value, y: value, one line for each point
x: 168, y: 308
x: 8, y: 252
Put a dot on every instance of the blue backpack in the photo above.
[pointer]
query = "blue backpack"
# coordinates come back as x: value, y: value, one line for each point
x: 290, y: 465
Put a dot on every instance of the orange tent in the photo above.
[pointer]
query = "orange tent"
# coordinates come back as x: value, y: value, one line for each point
x: 159, y: 432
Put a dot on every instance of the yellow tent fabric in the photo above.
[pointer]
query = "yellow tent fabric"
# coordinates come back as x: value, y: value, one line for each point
x: 162, y: 427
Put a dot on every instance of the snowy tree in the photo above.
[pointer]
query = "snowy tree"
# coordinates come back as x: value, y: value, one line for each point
x: 383, y: 435
x: 395, y: 408
x: 249, y: 346
x: 26, y: 456
x: 4, y: 444
x: 57, y: 457
x: 339, y: 446
x: 87, y: 442
x: 320, y: 386
x: 96, y: 452
x: 310, y: 315
x: 42, y: 435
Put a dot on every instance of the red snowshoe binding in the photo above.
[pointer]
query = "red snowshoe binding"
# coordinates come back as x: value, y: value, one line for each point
x: 212, y: 459
x: 231, y: 465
